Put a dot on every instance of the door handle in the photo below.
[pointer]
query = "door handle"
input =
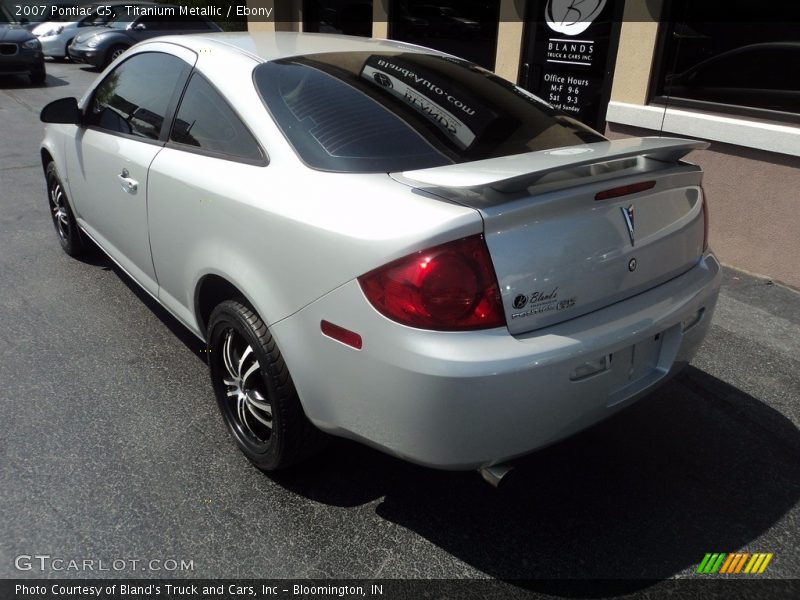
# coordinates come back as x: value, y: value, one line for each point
x: 128, y: 184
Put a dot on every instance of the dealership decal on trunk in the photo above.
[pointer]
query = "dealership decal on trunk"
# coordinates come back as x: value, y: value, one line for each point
x: 540, y: 302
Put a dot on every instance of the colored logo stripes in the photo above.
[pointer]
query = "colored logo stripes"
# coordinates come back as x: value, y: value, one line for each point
x: 738, y: 562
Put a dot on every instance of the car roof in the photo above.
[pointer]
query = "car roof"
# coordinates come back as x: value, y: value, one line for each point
x: 268, y: 45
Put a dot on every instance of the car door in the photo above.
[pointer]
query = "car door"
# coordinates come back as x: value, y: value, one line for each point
x: 124, y: 126
x: 203, y: 189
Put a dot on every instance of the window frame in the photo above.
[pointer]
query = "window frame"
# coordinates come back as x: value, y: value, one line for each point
x: 659, y: 70
x: 173, y: 145
x: 169, y: 113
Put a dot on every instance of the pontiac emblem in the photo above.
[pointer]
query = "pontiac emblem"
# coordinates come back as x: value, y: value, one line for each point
x: 627, y: 214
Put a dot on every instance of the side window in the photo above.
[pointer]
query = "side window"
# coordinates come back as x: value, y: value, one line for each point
x: 207, y: 122
x: 134, y: 97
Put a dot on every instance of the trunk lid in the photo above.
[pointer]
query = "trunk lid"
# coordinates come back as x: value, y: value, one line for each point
x: 562, y: 248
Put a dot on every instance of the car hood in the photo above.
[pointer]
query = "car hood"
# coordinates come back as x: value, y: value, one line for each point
x: 14, y: 33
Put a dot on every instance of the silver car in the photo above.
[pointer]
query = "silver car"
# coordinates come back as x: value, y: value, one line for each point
x: 386, y: 243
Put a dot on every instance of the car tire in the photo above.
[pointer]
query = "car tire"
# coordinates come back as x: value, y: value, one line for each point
x: 113, y: 53
x: 38, y: 76
x: 254, y: 390
x: 69, y: 236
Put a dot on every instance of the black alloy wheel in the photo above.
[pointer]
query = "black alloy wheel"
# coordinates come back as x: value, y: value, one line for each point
x: 254, y: 390
x: 63, y: 219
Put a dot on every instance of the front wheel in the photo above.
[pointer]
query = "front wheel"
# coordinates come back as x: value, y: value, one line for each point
x: 114, y: 53
x: 63, y: 219
x: 254, y: 390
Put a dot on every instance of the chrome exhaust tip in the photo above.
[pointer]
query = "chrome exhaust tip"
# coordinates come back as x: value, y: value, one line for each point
x: 495, y: 474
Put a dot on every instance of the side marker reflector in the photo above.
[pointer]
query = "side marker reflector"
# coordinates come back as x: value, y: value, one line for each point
x: 340, y: 334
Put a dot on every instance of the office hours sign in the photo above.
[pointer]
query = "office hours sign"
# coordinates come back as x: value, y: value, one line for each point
x: 570, y: 53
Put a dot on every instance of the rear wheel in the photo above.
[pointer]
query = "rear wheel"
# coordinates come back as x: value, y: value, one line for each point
x: 254, y: 390
x: 63, y: 219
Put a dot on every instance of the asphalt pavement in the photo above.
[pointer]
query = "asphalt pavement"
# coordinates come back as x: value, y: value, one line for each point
x: 113, y: 448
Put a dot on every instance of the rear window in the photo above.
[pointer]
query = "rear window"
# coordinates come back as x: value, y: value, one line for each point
x: 395, y: 111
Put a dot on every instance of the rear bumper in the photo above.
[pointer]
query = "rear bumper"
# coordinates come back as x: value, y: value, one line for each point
x: 463, y: 400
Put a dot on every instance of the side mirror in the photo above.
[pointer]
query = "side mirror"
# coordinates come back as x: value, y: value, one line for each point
x: 139, y: 27
x: 64, y: 110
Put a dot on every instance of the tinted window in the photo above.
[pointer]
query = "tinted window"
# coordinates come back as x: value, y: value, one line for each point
x: 351, y: 17
x: 736, y: 54
x: 207, y: 122
x: 759, y: 66
x: 463, y: 28
x: 134, y: 97
x: 383, y: 112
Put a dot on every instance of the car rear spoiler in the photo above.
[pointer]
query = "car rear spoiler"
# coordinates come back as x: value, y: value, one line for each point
x: 520, y: 171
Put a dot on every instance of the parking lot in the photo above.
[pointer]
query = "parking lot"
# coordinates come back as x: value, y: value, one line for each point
x: 113, y: 447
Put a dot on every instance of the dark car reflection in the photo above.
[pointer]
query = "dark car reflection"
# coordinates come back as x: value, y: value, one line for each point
x: 467, y: 28
x: 348, y: 17
x: 416, y: 21
x: 757, y: 75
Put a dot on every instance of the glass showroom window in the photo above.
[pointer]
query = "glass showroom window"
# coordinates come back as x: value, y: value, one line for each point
x: 350, y: 17
x: 465, y: 28
x: 732, y: 57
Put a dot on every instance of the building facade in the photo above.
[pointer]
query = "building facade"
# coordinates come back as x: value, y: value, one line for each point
x: 725, y: 71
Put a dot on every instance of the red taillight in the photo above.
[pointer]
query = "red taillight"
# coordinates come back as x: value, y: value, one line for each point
x: 625, y: 190
x: 705, y: 219
x: 451, y: 287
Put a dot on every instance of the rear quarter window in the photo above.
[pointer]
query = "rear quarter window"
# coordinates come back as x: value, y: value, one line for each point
x: 206, y: 122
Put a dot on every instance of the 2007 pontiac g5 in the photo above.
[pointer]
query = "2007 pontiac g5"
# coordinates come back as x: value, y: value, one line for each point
x: 385, y: 243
